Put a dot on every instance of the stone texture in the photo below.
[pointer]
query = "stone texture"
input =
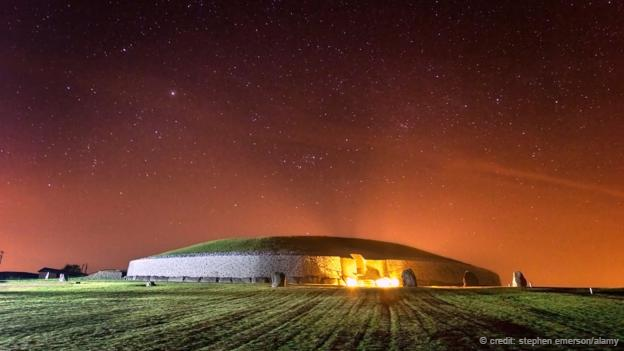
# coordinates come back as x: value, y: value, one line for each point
x: 518, y: 280
x: 432, y: 272
x: 331, y: 281
x: 261, y: 280
x: 470, y: 279
x: 278, y: 280
x: 294, y: 280
x: 329, y: 269
x: 409, y: 278
x: 310, y: 279
x: 236, y: 266
x: 106, y: 275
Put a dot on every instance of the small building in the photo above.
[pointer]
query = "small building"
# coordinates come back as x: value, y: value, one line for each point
x: 49, y: 273
x: 53, y: 273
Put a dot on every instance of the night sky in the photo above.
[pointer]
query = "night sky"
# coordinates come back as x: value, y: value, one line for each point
x: 491, y: 133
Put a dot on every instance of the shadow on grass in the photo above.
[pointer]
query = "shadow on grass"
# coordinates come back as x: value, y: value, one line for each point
x: 512, y: 329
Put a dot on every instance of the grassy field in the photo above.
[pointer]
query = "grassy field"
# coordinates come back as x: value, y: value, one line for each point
x: 129, y: 316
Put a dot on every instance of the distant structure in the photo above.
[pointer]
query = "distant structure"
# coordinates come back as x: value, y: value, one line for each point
x: 307, y: 260
x: 49, y: 273
x: 53, y: 273
x: 107, y: 274
x: 1, y: 255
x: 18, y: 275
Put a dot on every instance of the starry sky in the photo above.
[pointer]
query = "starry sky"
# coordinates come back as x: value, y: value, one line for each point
x: 490, y: 132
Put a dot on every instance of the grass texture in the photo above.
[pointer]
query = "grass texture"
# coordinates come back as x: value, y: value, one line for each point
x: 37, y: 315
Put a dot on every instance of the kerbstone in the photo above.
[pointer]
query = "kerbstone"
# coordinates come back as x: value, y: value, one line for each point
x: 278, y: 280
x: 409, y: 278
x: 470, y: 279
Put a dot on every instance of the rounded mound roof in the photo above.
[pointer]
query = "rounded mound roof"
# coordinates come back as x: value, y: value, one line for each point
x: 307, y: 245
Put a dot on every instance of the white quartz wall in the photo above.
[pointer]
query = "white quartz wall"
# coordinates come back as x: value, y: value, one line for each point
x: 264, y: 265
x: 236, y: 266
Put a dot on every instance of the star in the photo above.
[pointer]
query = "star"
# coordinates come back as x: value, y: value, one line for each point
x: 372, y: 126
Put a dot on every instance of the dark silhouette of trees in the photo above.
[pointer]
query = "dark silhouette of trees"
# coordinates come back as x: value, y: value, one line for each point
x: 72, y: 269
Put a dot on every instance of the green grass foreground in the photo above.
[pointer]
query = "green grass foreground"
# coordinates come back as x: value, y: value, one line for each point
x: 93, y: 315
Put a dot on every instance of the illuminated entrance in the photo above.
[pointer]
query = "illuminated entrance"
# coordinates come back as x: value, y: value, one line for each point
x: 359, y: 272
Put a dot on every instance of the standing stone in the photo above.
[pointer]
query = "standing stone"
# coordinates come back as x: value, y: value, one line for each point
x: 470, y: 279
x: 278, y: 280
x: 518, y: 280
x: 409, y: 278
x: 149, y: 283
x: 62, y: 278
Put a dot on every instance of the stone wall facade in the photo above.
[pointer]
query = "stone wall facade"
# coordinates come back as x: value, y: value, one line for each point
x: 106, y: 275
x: 237, y: 267
x: 250, y: 268
x: 448, y: 273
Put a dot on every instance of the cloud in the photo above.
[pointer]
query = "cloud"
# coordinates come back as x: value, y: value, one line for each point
x: 502, y: 171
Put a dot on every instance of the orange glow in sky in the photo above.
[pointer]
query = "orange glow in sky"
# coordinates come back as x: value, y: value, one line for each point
x: 490, y: 135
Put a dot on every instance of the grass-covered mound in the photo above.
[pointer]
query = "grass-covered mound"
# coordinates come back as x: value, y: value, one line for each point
x: 309, y: 245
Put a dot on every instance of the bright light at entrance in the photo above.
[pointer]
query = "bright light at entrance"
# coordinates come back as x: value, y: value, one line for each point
x: 351, y: 282
x: 387, y: 282
x: 367, y: 283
